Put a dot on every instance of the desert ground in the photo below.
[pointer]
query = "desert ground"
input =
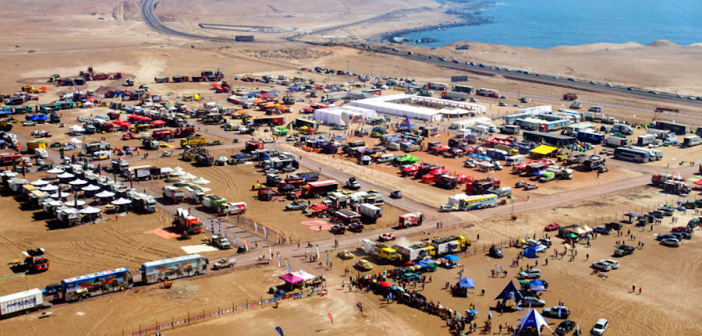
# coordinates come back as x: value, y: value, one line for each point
x: 47, y: 37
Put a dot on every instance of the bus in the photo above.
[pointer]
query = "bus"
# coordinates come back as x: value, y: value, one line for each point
x: 630, y: 154
x: 478, y: 202
x: 463, y: 88
x: 678, y: 129
x: 173, y: 268
x: 85, y: 286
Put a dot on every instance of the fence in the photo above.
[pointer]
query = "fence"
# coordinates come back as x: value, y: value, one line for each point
x: 219, y: 312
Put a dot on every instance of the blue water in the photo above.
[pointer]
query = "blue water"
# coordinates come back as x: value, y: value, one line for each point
x: 551, y: 23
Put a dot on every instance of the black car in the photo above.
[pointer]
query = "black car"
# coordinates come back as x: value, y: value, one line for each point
x: 685, y: 235
x: 602, y: 230
x: 565, y: 327
x: 396, y: 194
x: 665, y: 236
x: 495, y: 252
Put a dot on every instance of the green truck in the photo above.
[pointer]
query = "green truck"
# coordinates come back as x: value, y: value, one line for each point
x: 213, y: 202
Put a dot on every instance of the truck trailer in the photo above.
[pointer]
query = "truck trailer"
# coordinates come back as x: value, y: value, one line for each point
x: 22, y: 302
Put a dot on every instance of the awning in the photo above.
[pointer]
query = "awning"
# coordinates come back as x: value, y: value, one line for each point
x: 452, y: 257
x: 543, y: 150
x: 319, y: 207
x: 290, y: 278
x: 303, y: 275
x: 466, y: 283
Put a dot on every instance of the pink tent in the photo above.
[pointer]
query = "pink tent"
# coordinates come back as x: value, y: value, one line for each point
x: 290, y: 278
x: 158, y: 122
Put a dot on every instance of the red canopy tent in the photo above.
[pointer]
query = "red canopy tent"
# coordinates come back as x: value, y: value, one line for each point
x: 698, y: 182
x: 158, y: 123
x: 462, y: 178
x: 410, y: 169
x: 438, y: 171
x: 319, y: 207
x: 428, y: 178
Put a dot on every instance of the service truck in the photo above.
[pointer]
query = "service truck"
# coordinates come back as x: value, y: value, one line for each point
x: 213, y: 202
x: 22, y: 302
x: 370, y: 211
x: 173, y: 193
x: 455, y: 95
x: 415, y: 252
x: 186, y: 223
x: 194, y: 192
x: 193, y: 141
x: 450, y: 244
x: 692, y: 140
x: 623, y: 129
x: 238, y: 208
x: 381, y: 251
x: 614, y: 141
x: 645, y: 140
x: 410, y: 219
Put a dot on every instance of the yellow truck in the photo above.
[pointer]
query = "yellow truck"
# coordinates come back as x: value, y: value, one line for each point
x: 193, y: 142
x: 32, y: 145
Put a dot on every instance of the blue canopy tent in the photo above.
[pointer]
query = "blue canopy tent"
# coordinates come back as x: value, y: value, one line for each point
x: 452, y: 257
x: 533, y: 321
x: 537, y: 286
x: 631, y: 216
x: 530, y: 252
x: 406, y: 125
x: 510, y: 293
x: 466, y: 283
x: 339, y: 137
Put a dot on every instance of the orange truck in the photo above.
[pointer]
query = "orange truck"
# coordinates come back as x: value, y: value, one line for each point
x: 34, y: 261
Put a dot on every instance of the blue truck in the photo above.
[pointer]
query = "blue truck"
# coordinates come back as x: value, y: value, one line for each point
x: 593, y: 138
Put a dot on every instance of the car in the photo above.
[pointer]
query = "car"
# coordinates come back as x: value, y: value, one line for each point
x: 297, y: 205
x: 502, y: 104
x: 470, y: 163
x: 602, y: 230
x: 681, y: 229
x: 532, y: 301
x: 614, y: 225
x: 691, y: 98
x: 609, y: 85
x: 531, y: 186
x: 520, y: 184
x: 56, y: 144
x: 396, y: 194
x: 345, y: 255
x: 337, y: 229
x: 612, y: 263
x: 517, y: 105
x: 672, y: 242
x: 593, y: 82
x: 665, y: 236
x: 545, y: 241
x: 565, y: 327
x: 526, y: 72
x: 533, y: 273
x: 557, y: 312
x: 26, y: 162
x: 386, y: 237
x: 289, y: 169
x: 364, y: 264
x: 224, y: 263
x: 654, y: 92
x: 472, y: 63
x: 555, y: 77
x: 679, y: 96
x: 600, y: 266
x: 28, y: 123
x: 630, y: 89
x: 356, y: 227
x: 684, y: 235
x: 571, y: 79
x: 495, y: 252
x: 600, y: 327
x: 623, y: 250
x: 552, y: 227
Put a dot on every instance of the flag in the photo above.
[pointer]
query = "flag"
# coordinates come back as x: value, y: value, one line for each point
x: 279, y: 330
x: 212, y: 225
x: 329, y: 315
x: 277, y: 237
x: 270, y: 252
x: 219, y: 229
x: 265, y: 233
x: 327, y: 258
x: 233, y: 240
x: 279, y: 264
x: 255, y: 227
x: 246, y: 246
x: 317, y: 252
x: 287, y: 265
x: 490, y: 313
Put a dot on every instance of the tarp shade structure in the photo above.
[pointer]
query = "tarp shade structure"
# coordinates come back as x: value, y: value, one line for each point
x: 543, y: 150
x: 303, y: 275
x: 510, y: 293
x: 291, y: 279
x: 319, y: 207
x: 537, y: 286
x: 466, y: 283
x: 408, y: 158
x: 426, y: 262
x: 530, y: 252
x: 698, y: 182
x: 410, y: 169
x: 342, y: 115
x: 452, y: 257
x: 533, y: 319
x: 407, y: 125
x: 241, y: 156
x: 631, y: 215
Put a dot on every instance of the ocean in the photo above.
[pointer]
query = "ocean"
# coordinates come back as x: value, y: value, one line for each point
x: 550, y: 23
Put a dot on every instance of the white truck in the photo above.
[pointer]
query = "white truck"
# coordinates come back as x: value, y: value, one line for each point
x: 21, y: 302
x: 623, y: 129
x: 173, y: 193
x: 614, y: 141
x: 194, y: 193
x: 370, y: 211
x: 238, y: 208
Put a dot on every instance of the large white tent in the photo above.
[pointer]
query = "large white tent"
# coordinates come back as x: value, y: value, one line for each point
x: 405, y: 105
x: 342, y: 115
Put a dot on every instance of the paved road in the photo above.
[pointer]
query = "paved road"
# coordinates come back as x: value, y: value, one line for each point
x: 152, y: 20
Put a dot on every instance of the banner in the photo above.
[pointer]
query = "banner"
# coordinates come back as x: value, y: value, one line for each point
x: 287, y: 265
x: 317, y: 252
x: 255, y: 227
x: 329, y: 315
x: 265, y: 233
x: 279, y: 330
x: 220, y: 225
x: 278, y: 260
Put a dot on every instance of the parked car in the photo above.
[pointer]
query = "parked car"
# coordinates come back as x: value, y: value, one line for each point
x: 345, y: 254
x: 298, y: 205
x: 495, y: 252
x: 520, y: 184
x: 623, y: 250
x: 532, y: 301
x: 386, y: 237
x: 602, y: 230
x: 545, y: 241
x: 681, y: 229
x: 337, y: 229
x: 565, y: 327
x: 672, y: 242
x: 557, y: 312
x: 614, y: 225
x: 600, y: 327
x: 665, y: 236
x: 552, y: 227
x: 600, y: 266
x: 364, y: 264
x: 612, y: 263
x: 531, y: 186
x: 396, y: 194
x: 530, y: 274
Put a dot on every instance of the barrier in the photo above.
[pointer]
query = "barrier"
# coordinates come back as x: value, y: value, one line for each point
x: 219, y: 312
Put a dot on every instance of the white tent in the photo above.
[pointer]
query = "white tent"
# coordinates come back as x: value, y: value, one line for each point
x: 188, y: 176
x: 90, y: 210
x: 470, y: 122
x: 104, y: 194
x: 166, y: 170
x: 329, y: 116
x: 200, y: 180
x: 177, y: 171
x: 76, y: 141
x: 121, y: 201
x: 73, y: 203
x: 65, y: 175
x: 55, y: 171
x: 304, y: 275
x: 91, y: 187
x: 78, y: 182
x: 49, y: 187
x: 39, y: 182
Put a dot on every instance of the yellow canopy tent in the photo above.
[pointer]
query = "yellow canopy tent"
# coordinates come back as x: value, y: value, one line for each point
x: 543, y: 150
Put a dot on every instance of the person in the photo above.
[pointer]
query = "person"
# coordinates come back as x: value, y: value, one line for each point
x: 482, y: 292
x: 639, y: 290
x: 633, y: 288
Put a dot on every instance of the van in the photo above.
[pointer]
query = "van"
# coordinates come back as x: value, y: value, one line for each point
x: 595, y: 109
x: 514, y: 160
x: 41, y: 152
x: 386, y: 158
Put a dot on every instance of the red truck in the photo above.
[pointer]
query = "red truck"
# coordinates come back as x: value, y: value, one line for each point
x: 162, y: 134
x: 410, y: 219
x: 570, y: 96
x: 488, y: 93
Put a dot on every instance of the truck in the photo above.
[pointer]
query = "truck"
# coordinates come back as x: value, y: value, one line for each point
x: 174, y: 194
x: 264, y: 121
x: 22, y: 302
x: 352, y: 184
x: 95, y: 284
x: 570, y: 96
x: 142, y: 202
x: 319, y: 188
x: 410, y: 219
x: 631, y: 154
x: 691, y: 140
x: 425, y: 93
x: 173, y: 268
x: 370, y: 211
x: 438, y: 86
x: 221, y: 242
x: 678, y: 129
x: 488, y: 93
x: 213, y: 202
x: 450, y: 244
x: 193, y: 141
x: 382, y: 252
x: 415, y: 252
x: 614, y: 141
x: 238, y: 208
x: 186, y: 223
x: 591, y: 137
x: 34, y: 261
x: 455, y: 95
x: 660, y: 179
x: 645, y: 140
x: 623, y: 129
x: 594, y: 162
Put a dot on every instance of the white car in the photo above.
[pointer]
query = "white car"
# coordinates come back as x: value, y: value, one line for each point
x: 600, y: 327
x: 612, y: 263
x: 532, y: 301
x: 670, y: 242
x: 598, y: 265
